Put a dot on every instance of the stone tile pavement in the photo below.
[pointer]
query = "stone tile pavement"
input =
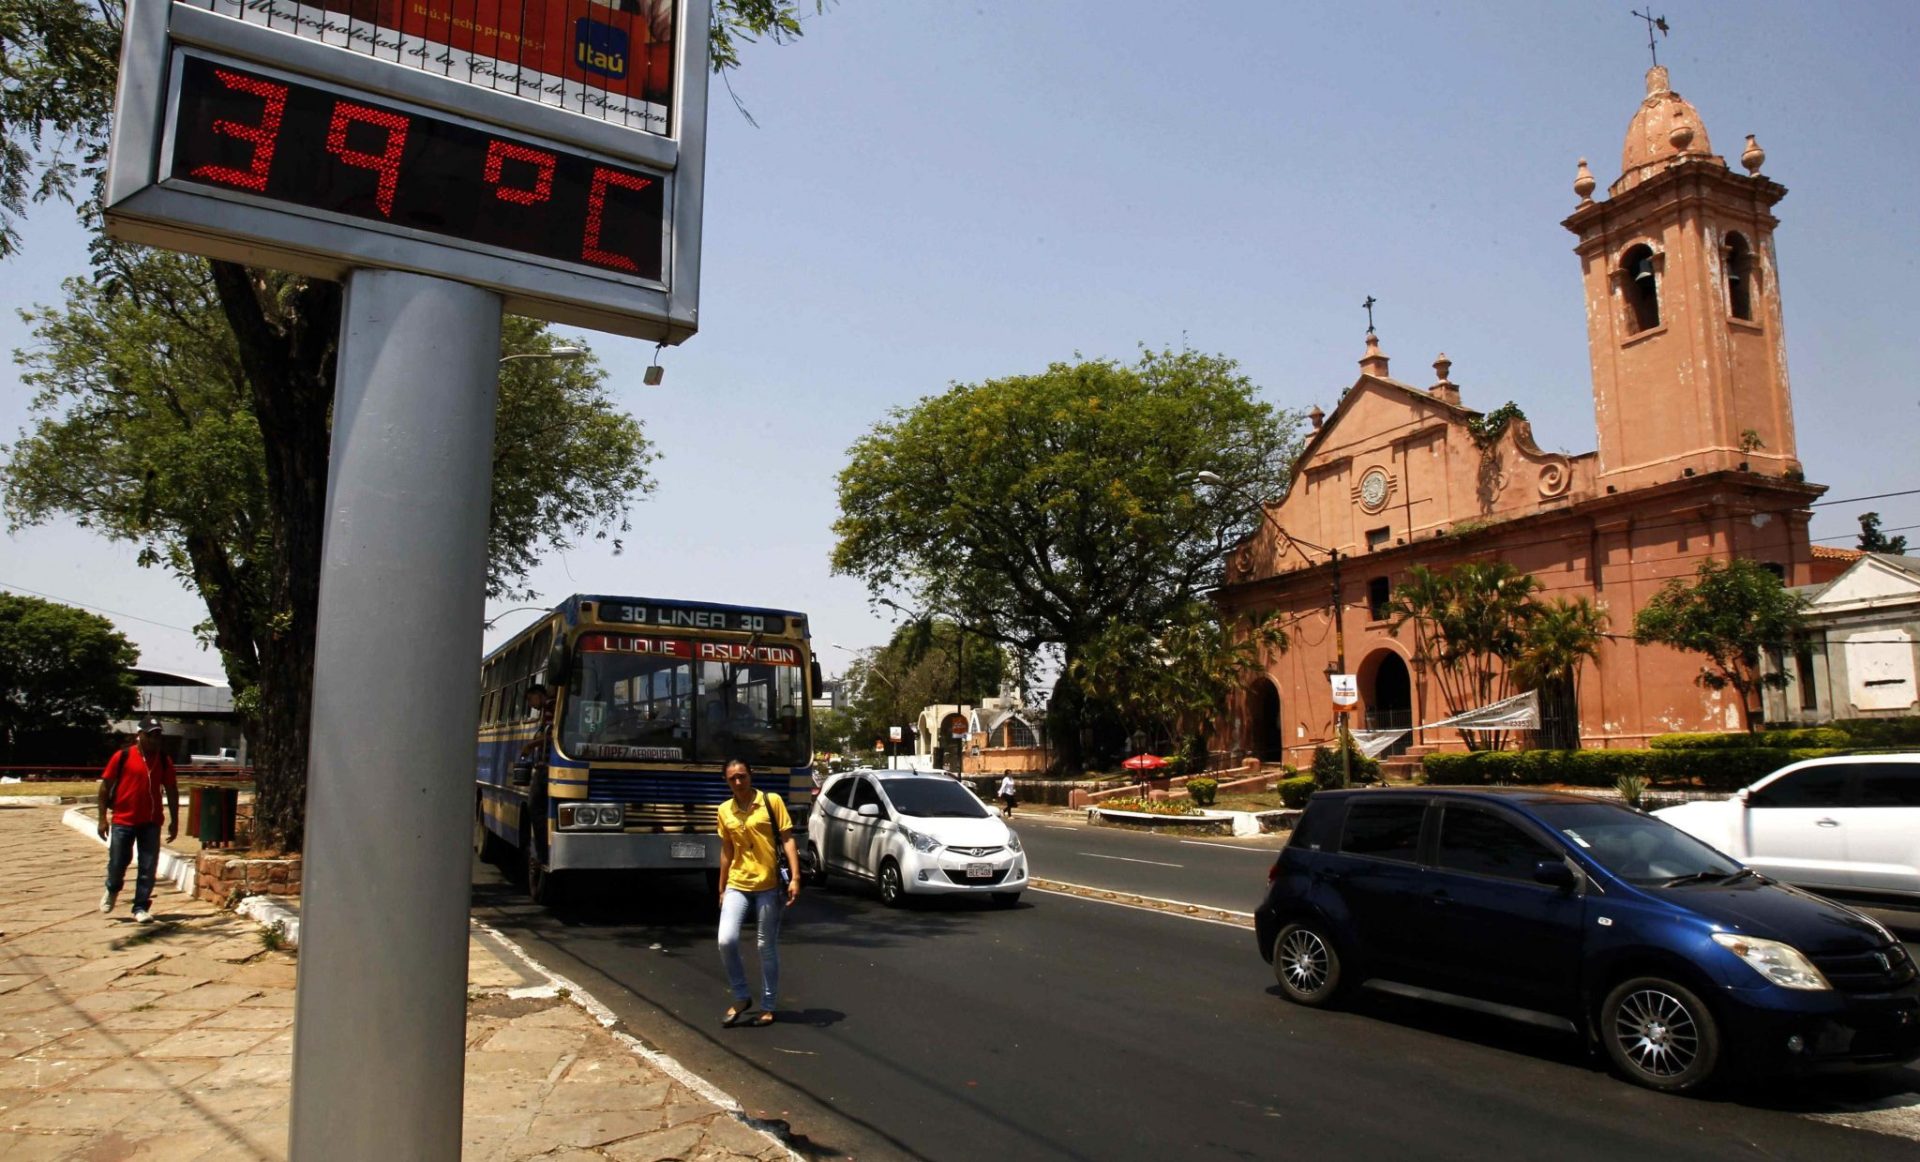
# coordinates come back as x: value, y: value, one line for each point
x: 173, y: 1041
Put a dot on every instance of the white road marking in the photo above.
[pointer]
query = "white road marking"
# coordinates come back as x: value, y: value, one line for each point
x: 1898, y: 1115
x: 1124, y: 859
x: 1229, y: 846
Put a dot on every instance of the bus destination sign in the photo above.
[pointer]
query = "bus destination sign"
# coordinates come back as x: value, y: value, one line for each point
x: 690, y: 617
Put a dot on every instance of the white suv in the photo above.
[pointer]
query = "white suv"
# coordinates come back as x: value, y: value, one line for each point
x: 912, y: 833
x: 1850, y: 823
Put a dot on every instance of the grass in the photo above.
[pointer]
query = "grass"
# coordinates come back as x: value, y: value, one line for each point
x: 85, y: 788
x: 1255, y: 801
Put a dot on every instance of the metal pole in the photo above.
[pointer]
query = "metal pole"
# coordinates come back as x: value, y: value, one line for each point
x: 1340, y: 660
x: 380, y: 1010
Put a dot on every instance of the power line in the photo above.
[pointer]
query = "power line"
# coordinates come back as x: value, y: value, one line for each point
x: 1857, y: 499
x: 95, y: 608
x: 1844, y: 536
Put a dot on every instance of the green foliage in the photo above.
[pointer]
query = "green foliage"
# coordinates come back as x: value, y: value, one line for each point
x: 1872, y: 540
x: 64, y: 673
x: 1473, y: 621
x: 1632, y: 788
x: 1722, y: 770
x: 918, y: 667
x: 1796, y: 737
x: 1879, y: 732
x: 1326, y: 766
x: 1043, y: 510
x: 1295, y: 792
x: 1202, y: 790
x: 1487, y: 428
x: 1732, y: 611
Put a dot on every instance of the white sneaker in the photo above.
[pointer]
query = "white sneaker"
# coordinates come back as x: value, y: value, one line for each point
x: 143, y: 916
x: 106, y: 902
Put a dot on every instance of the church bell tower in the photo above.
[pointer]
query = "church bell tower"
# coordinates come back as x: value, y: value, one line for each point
x: 1683, y: 305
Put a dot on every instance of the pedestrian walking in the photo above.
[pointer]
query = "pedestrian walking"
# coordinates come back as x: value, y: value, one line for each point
x: 1006, y: 794
x: 759, y: 872
x: 130, y: 792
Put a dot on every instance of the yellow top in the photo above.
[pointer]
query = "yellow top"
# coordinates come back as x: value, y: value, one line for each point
x: 753, y: 835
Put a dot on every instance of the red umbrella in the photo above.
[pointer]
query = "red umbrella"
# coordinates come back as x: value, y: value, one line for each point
x: 1144, y: 762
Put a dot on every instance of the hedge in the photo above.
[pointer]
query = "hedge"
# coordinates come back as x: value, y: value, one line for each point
x: 1719, y: 769
x: 1295, y: 791
x: 1797, y: 738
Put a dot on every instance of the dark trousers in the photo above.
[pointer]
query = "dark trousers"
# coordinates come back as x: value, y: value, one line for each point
x: 121, y: 843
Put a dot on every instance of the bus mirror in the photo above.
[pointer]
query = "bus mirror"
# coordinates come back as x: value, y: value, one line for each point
x: 557, y: 664
x: 819, y: 682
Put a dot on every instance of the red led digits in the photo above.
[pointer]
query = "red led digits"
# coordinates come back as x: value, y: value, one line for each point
x: 596, y: 208
x: 386, y: 163
x: 501, y: 151
x: 262, y: 136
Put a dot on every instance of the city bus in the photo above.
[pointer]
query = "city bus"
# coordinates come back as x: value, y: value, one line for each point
x: 645, y: 702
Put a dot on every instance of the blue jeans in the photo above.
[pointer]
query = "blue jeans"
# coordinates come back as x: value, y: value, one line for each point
x: 121, y: 843
x: 767, y: 907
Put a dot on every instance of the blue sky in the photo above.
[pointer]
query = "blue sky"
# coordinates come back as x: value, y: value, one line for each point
x: 941, y: 192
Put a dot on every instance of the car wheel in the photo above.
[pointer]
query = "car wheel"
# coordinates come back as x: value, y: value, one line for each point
x: 893, y: 889
x: 813, y: 870
x: 1006, y: 899
x: 1659, y: 1034
x: 1306, y: 964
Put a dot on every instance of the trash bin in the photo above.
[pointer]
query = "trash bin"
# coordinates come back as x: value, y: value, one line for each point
x: 216, y: 810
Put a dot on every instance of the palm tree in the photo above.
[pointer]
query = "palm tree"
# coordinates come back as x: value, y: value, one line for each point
x: 1470, y: 622
x: 1561, y: 637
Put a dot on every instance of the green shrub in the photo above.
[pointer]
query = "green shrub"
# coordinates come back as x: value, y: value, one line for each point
x: 1202, y: 789
x: 1789, y: 738
x: 1295, y: 791
x: 1149, y: 806
x: 1879, y: 732
x: 1632, y: 789
x: 1720, y: 769
x: 1326, y: 767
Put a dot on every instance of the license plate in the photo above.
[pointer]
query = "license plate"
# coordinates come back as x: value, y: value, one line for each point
x: 979, y: 871
x: 688, y: 850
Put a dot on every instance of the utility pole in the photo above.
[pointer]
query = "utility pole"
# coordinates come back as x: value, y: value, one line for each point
x: 1340, y: 661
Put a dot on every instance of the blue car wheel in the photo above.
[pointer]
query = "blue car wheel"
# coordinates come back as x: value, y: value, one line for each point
x: 1659, y: 1034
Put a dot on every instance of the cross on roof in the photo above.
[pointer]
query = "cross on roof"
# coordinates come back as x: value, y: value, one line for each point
x: 1653, y: 22
x: 1369, y: 305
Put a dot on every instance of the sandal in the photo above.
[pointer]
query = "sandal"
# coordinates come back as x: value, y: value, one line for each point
x: 763, y: 1020
x: 732, y: 1016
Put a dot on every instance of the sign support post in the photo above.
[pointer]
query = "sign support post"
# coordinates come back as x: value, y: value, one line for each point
x: 380, y: 1006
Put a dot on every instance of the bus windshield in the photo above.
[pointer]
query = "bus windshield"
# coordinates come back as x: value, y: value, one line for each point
x: 643, y: 699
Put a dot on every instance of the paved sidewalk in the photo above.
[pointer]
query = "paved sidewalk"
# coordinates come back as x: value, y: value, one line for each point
x: 172, y: 1041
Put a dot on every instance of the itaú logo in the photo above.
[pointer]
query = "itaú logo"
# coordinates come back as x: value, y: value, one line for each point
x: 599, y: 48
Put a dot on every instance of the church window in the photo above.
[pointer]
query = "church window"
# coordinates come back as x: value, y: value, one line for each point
x: 1775, y: 568
x: 1378, y: 539
x: 1803, y: 675
x: 1642, y: 288
x: 1379, y: 594
x: 1740, y: 276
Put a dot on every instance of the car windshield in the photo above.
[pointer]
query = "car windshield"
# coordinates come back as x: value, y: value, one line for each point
x: 1638, y: 848
x: 932, y: 799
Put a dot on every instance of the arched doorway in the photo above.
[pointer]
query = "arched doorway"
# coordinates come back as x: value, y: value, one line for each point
x: 1263, y: 721
x: 1389, y: 693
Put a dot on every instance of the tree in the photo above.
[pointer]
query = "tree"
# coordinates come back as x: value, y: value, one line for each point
x: 1040, y: 510
x: 63, y: 672
x: 1562, y: 636
x: 918, y: 667
x: 152, y: 429
x: 1174, y: 681
x: 1470, y: 622
x: 1872, y: 540
x: 1731, y: 613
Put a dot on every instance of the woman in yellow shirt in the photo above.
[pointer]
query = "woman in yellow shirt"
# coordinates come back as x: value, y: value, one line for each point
x: 755, y: 834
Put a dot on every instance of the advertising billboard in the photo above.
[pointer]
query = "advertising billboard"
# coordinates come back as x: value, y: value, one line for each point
x: 610, y: 59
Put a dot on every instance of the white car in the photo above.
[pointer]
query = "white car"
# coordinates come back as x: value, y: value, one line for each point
x: 1849, y: 823
x: 912, y: 833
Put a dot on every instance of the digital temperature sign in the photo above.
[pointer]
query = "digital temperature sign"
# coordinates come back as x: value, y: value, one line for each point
x: 251, y: 133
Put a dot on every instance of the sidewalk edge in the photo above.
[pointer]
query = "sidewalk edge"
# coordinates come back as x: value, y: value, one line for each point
x: 604, y: 1017
x: 183, y: 872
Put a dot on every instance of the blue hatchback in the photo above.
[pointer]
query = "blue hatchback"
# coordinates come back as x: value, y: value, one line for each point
x: 1581, y: 914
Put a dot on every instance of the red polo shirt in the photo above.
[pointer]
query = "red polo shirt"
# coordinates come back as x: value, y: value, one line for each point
x: 137, y: 799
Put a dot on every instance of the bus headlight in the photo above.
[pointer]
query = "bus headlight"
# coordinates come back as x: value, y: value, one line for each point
x: 583, y: 816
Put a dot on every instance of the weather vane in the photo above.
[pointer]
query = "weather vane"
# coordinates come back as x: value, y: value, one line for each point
x: 1653, y: 22
x: 1369, y: 305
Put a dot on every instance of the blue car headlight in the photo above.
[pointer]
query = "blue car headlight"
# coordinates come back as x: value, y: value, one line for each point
x: 1781, y: 964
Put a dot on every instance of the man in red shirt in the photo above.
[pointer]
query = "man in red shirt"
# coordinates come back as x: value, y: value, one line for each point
x: 130, y: 790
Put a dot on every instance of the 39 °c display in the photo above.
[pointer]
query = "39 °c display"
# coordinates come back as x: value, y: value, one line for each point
x: 238, y: 130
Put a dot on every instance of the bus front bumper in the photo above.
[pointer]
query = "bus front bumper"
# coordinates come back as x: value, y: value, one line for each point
x: 622, y: 850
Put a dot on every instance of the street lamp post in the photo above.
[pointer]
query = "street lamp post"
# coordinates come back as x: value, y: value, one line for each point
x: 560, y: 352
x: 1336, y: 606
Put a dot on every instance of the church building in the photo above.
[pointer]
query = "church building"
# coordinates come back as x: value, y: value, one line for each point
x: 1695, y: 460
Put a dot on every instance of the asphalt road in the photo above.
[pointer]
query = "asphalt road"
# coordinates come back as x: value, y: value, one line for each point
x: 1068, y: 1028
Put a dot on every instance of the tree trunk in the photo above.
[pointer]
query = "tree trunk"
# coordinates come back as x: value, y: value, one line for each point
x: 1066, y: 715
x: 287, y: 347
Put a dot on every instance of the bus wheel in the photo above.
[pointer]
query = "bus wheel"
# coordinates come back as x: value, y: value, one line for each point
x: 543, y: 884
